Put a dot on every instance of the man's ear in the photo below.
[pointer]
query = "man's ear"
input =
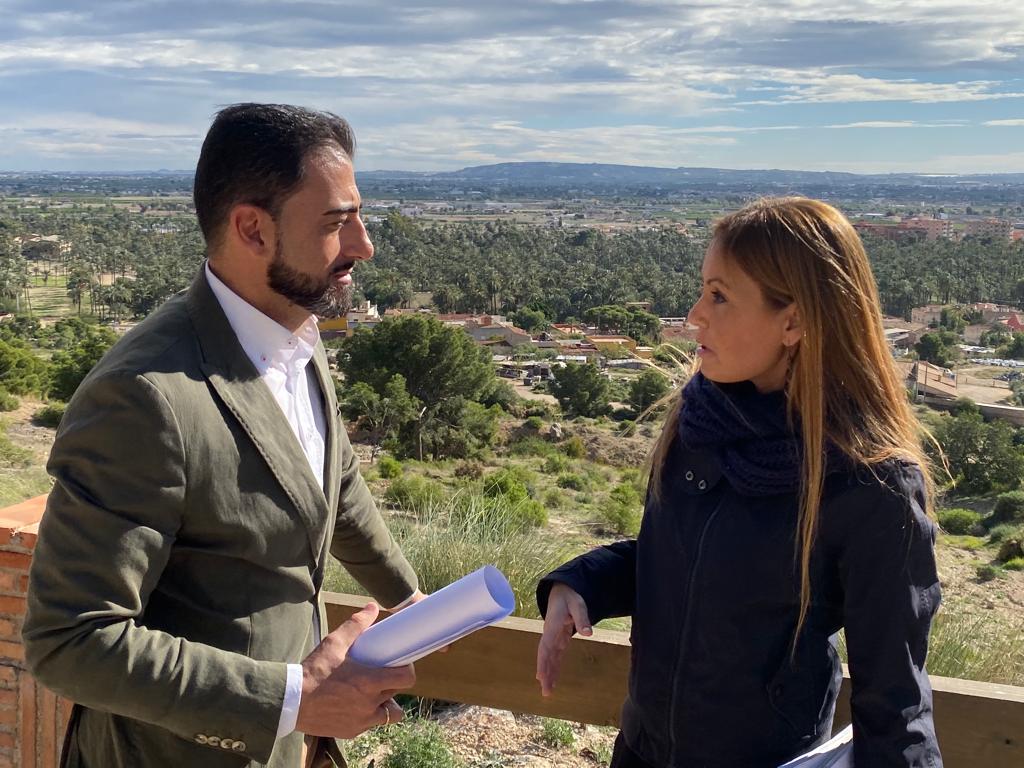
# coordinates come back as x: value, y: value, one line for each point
x: 793, y: 328
x: 252, y: 229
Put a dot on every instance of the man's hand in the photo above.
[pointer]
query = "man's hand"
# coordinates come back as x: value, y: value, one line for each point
x: 566, y: 612
x: 342, y: 698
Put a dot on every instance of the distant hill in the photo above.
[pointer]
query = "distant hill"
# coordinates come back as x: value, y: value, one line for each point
x: 588, y: 174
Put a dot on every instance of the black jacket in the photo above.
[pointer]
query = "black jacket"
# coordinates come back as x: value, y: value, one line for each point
x: 714, y: 591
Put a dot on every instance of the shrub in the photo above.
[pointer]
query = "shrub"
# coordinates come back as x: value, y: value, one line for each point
x: 12, y: 455
x: 531, y: 446
x: 557, y: 733
x: 1011, y: 549
x: 49, y: 415
x: 986, y: 572
x: 1016, y: 564
x: 508, y: 490
x: 415, y: 494
x: 959, y: 522
x: 574, y: 448
x: 555, y: 464
x: 1003, y: 532
x: 8, y: 402
x: 420, y: 745
x: 534, y: 423
x: 1009, y: 508
x: 573, y: 482
x: 389, y: 467
x: 623, y: 512
x: 552, y: 498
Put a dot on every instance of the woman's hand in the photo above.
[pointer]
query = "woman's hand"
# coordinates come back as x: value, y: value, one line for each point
x: 566, y: 613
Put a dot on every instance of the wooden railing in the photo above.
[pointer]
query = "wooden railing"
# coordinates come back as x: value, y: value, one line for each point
x: 980, y: 725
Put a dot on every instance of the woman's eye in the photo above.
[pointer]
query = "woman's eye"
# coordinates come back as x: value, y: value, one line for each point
x: 717, y: 297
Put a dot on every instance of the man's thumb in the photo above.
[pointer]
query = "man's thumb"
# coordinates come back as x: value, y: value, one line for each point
x: 357, y: 623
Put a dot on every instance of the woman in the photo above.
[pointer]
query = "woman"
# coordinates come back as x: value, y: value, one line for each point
x: 787, y: 500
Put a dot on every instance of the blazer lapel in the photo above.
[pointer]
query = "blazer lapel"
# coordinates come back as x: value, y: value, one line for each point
x: 238, y: 385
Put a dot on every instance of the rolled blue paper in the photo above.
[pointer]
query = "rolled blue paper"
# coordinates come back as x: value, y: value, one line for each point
x: 471, y: 603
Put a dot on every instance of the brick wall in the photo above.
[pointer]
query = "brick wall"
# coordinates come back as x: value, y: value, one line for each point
x: 32, y: 719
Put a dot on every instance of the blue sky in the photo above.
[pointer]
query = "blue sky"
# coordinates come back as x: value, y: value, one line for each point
x: 933, y: 86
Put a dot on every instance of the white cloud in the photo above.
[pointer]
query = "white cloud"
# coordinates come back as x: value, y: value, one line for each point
x: 1008, y: 123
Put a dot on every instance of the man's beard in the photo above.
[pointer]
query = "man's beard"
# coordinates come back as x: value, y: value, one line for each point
x: 324, y: 298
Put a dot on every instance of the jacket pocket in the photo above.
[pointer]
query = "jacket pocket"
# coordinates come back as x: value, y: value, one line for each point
x: 799, y: 693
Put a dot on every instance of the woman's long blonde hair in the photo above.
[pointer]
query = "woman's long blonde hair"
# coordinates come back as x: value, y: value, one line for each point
x: 843, y: 384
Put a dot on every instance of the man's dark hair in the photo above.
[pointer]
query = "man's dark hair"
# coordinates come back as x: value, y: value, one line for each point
x: 253, y: 154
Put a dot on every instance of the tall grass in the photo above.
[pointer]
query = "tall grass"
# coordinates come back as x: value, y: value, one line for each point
x: 460, y: 534
x: 972, y: 648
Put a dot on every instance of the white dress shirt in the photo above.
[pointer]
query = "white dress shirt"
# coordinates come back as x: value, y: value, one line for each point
x: 282, y: 360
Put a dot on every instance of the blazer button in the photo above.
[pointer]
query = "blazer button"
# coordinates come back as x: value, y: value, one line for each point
x: 213, y: 741
x: 702, y: 484
x: 227, y: 744
x: 200, y: 738
x: 689, y: 476
x: 238, y: 746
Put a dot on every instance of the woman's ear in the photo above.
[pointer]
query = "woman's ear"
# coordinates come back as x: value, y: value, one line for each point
x: 793, y: 327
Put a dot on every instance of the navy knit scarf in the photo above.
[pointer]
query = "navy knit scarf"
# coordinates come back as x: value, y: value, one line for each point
x: 759, y: 453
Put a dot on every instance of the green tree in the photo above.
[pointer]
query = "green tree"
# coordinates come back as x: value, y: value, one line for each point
x: 72, y: 365
x: 647, y: 389
x: 934, y: 348
x: 530, y: 320
x: 383, y: 415
x: 982, y: 457
x: 581, y: 390
x: 1014, y: 349
x: 21, y: 372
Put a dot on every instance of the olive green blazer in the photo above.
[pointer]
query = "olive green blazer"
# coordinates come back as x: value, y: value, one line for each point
x: 183, y: 549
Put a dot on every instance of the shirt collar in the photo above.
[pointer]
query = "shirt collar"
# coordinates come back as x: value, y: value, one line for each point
x: 267, y: 343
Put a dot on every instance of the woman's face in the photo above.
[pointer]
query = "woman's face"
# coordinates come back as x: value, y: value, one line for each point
x: 741, y: 336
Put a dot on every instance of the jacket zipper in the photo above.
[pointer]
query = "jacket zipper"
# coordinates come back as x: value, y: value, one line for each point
x: 684, y: 632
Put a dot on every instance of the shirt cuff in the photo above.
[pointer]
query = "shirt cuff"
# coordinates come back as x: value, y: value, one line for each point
x: 292, y: 699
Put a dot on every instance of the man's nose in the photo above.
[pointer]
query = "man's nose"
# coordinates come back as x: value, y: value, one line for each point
x: 357, y: 245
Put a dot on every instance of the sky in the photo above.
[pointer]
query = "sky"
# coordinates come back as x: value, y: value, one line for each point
x: 871, y: 86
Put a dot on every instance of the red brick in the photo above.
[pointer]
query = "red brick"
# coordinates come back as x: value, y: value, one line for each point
x: 7, y: 761
x: 8, y: 699
x: 18, y: 560
x: 10, y: 580
x: 28, y: 721
x: 7, y: 741
x: 9, y: 717
x: 12, y: 651
x: 8, y: 676
x: 10, y: 629
x: 12, y: 606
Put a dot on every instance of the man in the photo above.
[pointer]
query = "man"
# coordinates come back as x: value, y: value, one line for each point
x: 202, y: 477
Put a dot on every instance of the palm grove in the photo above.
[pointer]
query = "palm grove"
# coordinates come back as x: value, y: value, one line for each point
x: 423, y: 389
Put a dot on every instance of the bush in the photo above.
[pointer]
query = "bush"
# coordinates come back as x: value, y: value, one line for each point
x: 49, y: 415
x: 624, y: 510
x: 389, y: 467
x: 1011, y: 549
x: 986, y: 572
x: 534, y: 423
x: 508, y: 490
x: 1003, y: 532
x: 8, y: 402
x: 553, y: 498
x: 573, y: 482
x: 420, y: 745
x: 531, y: 446
x: 1009, y: 508
x: 555, y: 464
x: 557, y: 733
x: 12, y: 455
x: 574, y: 448
x: 1016, y: 564
x: 959, y: 522
x: 415, y: 494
